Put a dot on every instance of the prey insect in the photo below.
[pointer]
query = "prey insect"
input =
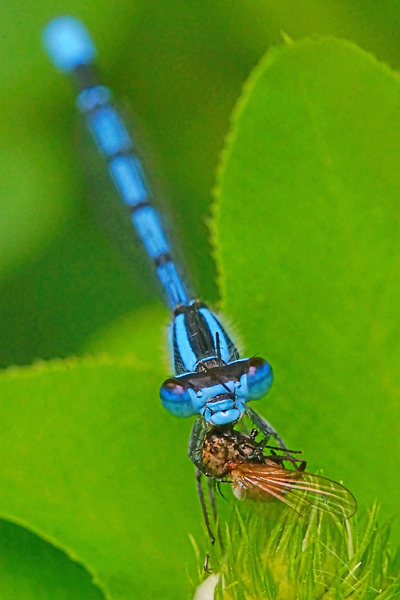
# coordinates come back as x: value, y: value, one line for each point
x: 237, y: 458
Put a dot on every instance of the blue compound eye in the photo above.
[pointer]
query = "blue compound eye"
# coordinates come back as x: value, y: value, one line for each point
x: 259, y: 377
x: 176, y: 399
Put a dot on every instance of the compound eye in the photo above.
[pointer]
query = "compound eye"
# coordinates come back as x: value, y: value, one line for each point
x: 259, y: 377
x: 176, y: 399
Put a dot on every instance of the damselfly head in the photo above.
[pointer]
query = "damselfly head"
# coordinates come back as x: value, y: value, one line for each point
x: 218, y: 393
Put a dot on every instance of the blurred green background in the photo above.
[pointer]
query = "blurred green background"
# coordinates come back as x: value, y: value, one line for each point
x: 71, y: 279
x: 180, y: 66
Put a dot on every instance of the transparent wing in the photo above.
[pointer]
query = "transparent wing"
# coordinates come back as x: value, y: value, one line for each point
x: 297, y: 489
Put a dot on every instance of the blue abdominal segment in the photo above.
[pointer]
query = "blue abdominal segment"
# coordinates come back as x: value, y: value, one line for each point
x: 68, y: 43
x: 72, y: 50
x: 210, y: 378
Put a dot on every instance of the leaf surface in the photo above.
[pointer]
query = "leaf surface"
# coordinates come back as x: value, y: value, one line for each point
x: 93, y: 464
x: 308, y: 233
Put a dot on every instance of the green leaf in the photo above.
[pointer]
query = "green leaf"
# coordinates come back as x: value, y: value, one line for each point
x: 32, y: 569
x: 93, y: 464
x: 308, y: 237
x: 116, y: 339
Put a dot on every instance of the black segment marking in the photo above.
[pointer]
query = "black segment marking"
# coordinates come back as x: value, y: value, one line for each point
x: 138, y: 205
x: 199, y: 335
x: 126, y: 152
x: 233, y: 351
x: 86, y: 77
x: 162, y: 259
x: 179, y: 365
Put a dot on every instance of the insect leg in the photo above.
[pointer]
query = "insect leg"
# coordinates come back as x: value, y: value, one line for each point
x: 205, y: 564
x: 196, y: 441
x: 200, y: 493
x: 211, y: 496
x: 269, y: 431
x: 264, y: 426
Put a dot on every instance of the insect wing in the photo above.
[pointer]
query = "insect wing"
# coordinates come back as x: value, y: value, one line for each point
x: 297, y: 489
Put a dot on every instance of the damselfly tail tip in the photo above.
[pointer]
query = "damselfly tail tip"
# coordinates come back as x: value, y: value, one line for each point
x: 68, y: 43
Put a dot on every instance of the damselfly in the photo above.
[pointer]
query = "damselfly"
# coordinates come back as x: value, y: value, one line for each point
x: 210, y: 379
